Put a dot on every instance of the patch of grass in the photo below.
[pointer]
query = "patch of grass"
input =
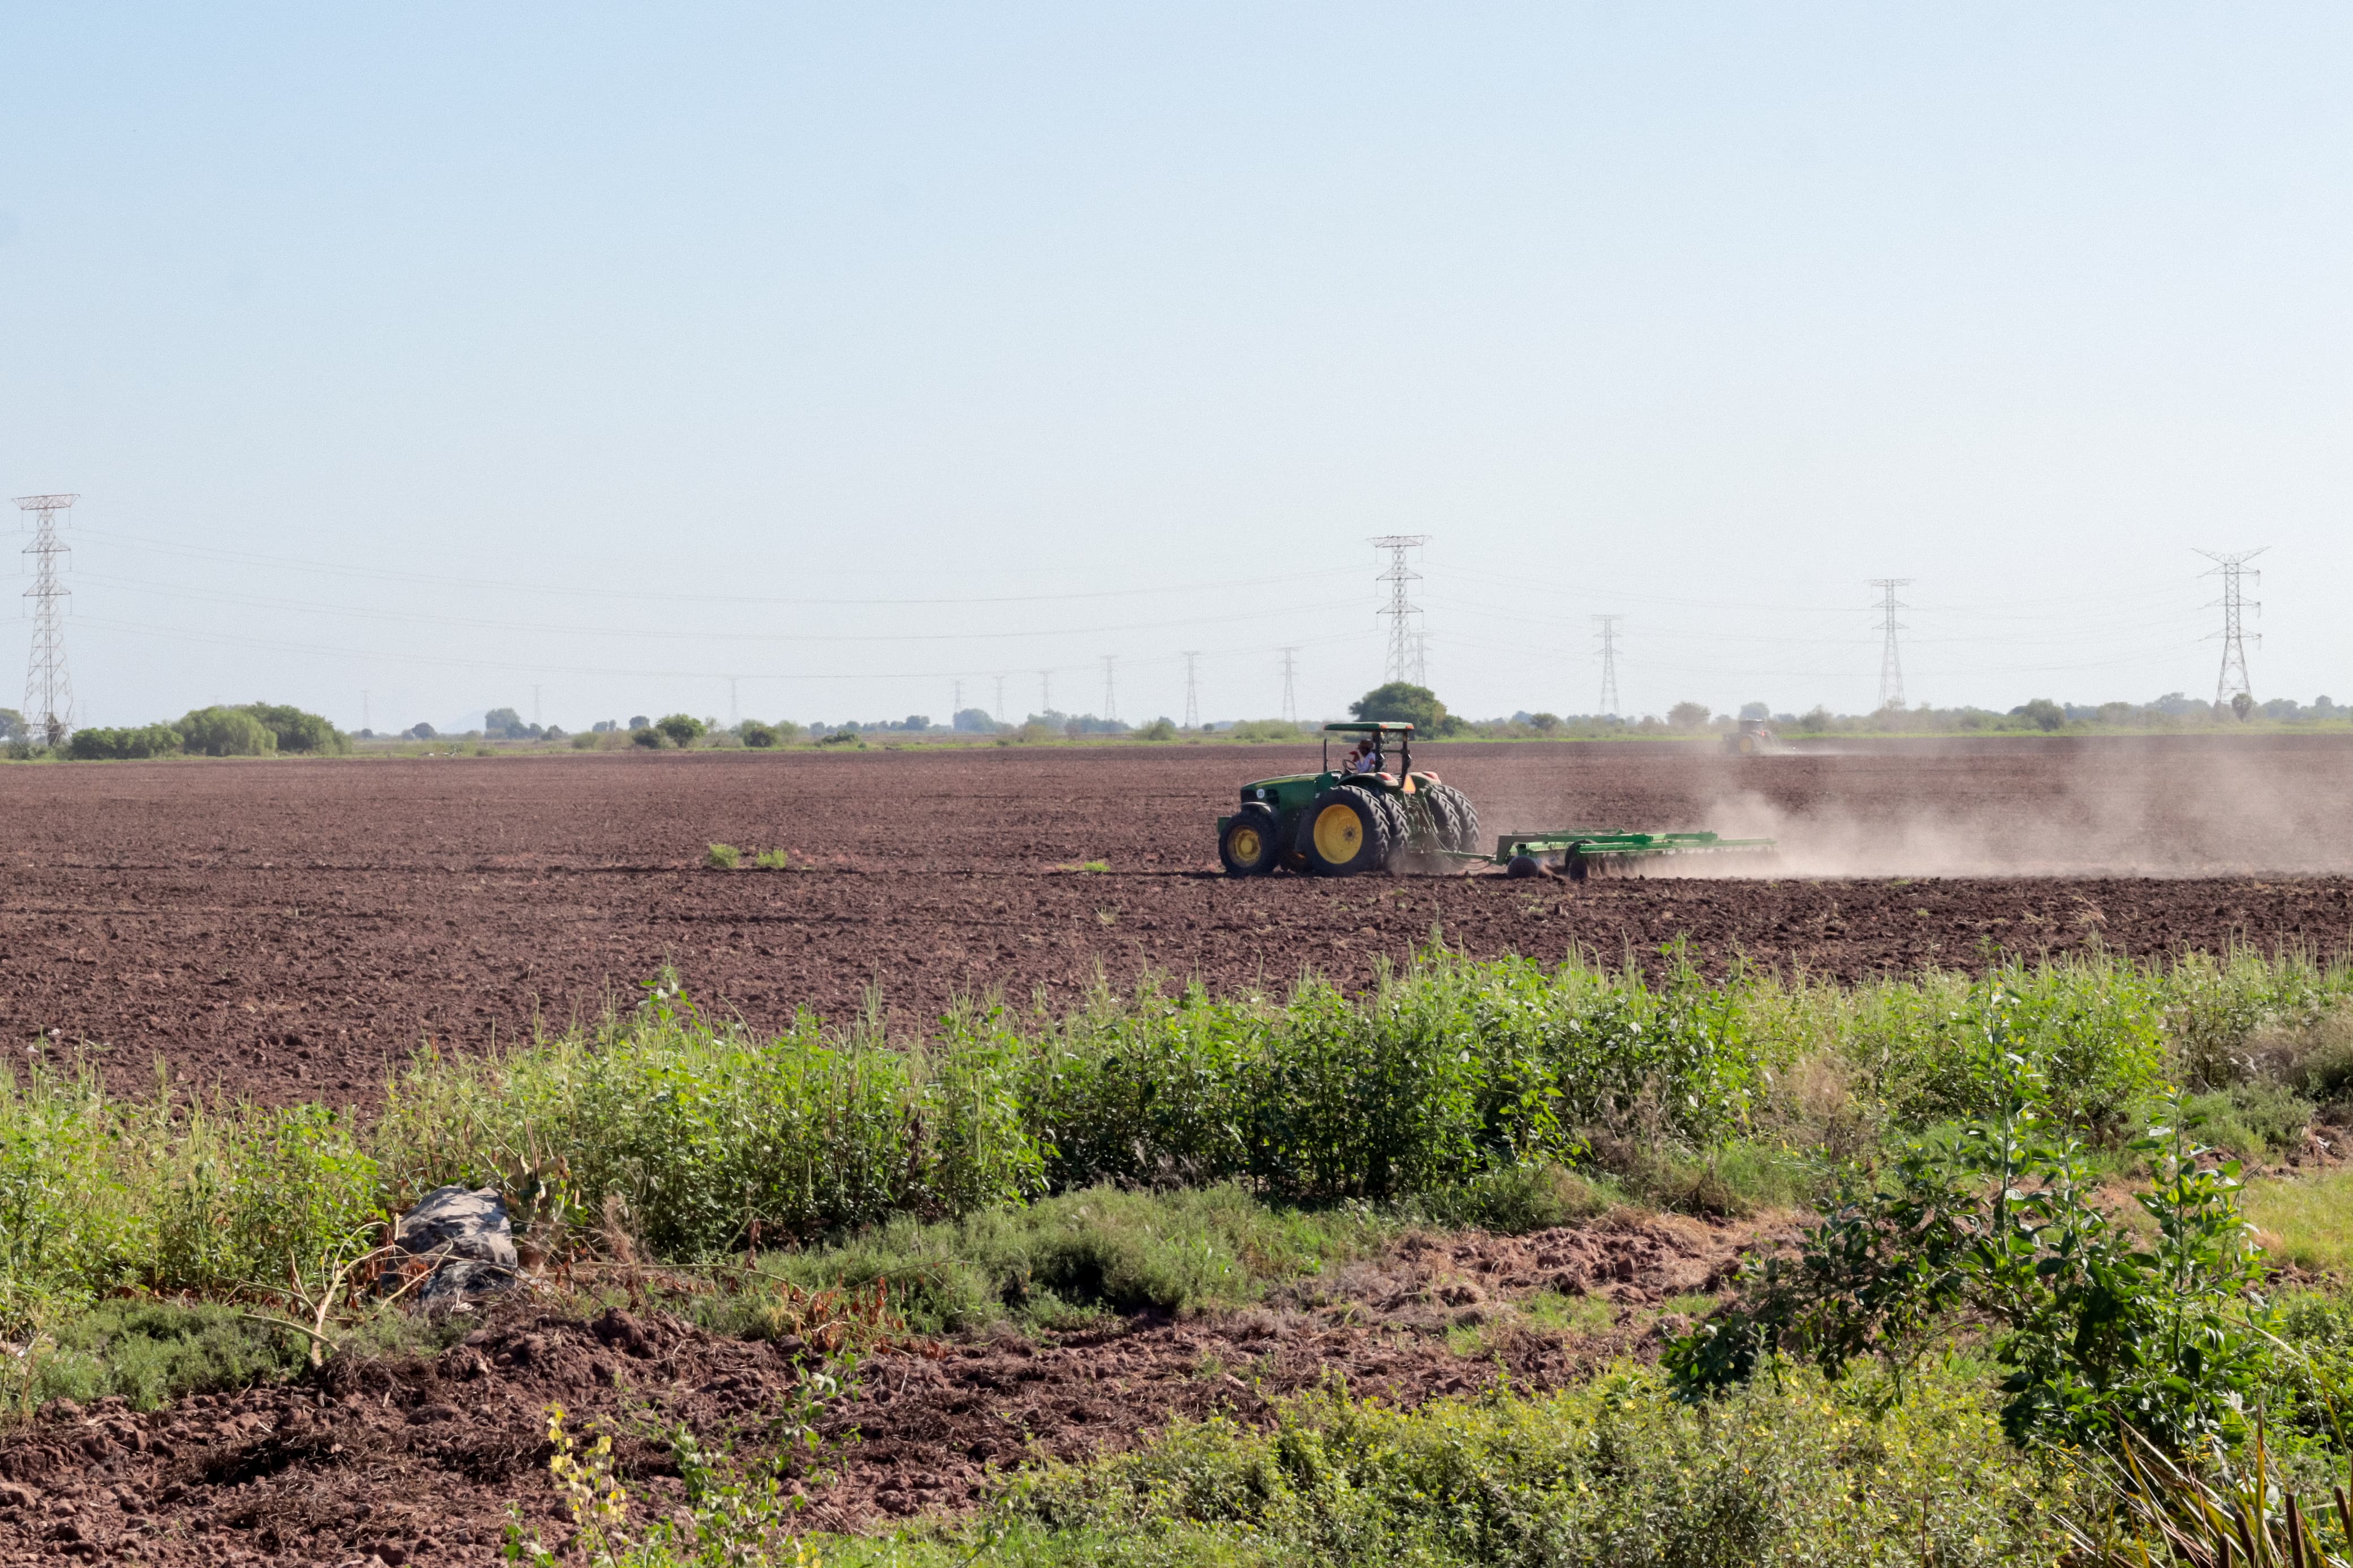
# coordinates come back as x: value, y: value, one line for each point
x: 1514, y: 1201
x: 1062, y: 1258
x: 153, y: 1352
x: 1084, y: 866
x: 2306, y: 1220
x: 1615, y: 1470
x: 2255, y: 1121
x: 1569, y: 1314
x: 722, y: 857
x: 772, y: 861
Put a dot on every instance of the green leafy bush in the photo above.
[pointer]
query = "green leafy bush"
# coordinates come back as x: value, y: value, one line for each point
x: 758, y: 736
x: 680, y: 730
x: 722, y: 856
x: 1159, y: 730
x: 296, y: 731
x: 649, y: 736
x: 122, y: 745
x: 225, y: 732
x: 2098, y: 1324
x: 700, y: 1130
x: 249, y: 1195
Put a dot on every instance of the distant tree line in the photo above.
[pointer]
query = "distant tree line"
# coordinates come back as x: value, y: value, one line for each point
x: 251, y: 729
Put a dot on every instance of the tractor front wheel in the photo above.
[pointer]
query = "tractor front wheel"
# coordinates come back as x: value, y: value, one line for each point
x: 1248, y: 845
x: 1345, y: 832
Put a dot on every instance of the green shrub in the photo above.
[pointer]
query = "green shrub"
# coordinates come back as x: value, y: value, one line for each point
x: 772, y: 861
x: 73, y: 1225
x: 699, y: 1130
x: 722, y: 856
x: 649, y: 736
x: 104, y: 745
x: 1159, y: 730
x: 2099, y: 1325
x: 1264, y: 730
x: 586, y: 740
x: 680, y: 730
x: 251, y: 1194
x: 2094, y: 1029
x: 296, y: 732
x: 225, y: 732
x: 756, y: 735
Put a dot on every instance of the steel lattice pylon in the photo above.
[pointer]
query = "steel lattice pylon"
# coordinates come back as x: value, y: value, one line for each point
x: 1407, y: 660
x: 2232, y: 689
x: 1609, y: 636
x: 1891, y: 665
x: 49, y: 685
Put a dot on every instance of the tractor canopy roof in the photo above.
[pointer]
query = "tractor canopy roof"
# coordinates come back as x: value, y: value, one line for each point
x: 1369, y: 727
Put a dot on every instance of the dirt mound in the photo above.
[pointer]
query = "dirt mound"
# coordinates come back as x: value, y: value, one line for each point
x: 418, y: 1460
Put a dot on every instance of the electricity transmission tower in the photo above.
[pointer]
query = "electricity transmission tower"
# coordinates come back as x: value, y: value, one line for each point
x: 999, y: 714
x: 1891, y: 666
x: 1192, y: 692
x: 1290, y: 685
x: 2232, y: 687
x: 49, y: 689
x: 1406, y: 659
x: 1609, y: 636
x: 1045, y: 692
x: 535, y: 699
x: 1111, y: 698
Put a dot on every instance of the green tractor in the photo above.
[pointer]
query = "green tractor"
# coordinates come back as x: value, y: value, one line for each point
x: 1370, y: 816
x: 1374, y: 817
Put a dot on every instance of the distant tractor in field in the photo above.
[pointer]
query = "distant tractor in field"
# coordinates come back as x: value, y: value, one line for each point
x: 1371, y: 813
x: 1752, y: 740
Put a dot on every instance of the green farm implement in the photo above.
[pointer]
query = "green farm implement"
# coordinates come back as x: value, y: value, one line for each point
x: 1366, y: 816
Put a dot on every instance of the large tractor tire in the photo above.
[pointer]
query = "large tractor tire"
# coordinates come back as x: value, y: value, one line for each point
x: 1453, y: 808
x: 1400, y: 826
x: 1345, y: 832
x: 1248, y: 846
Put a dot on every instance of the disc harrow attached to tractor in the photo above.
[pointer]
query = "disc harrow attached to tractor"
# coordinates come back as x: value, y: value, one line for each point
x: 1364, y: 817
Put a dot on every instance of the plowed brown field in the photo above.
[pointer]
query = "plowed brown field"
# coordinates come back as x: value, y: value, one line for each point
x: 287, y: 928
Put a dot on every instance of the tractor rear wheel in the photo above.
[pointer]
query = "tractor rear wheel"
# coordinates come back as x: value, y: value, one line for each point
x: 1458, y: 819
x: 1394, y: 814
x: 1248, y: 846
x: 1345, y: 832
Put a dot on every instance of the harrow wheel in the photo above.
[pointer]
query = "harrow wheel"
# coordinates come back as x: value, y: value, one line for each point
x: 1345, y: 832
x: 1247, y: 847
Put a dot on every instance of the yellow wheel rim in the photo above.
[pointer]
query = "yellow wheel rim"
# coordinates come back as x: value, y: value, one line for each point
x: 1246, y: 844
x: 1337, y: 835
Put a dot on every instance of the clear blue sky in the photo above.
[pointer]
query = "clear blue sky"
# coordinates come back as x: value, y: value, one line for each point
x: 436, y: 352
